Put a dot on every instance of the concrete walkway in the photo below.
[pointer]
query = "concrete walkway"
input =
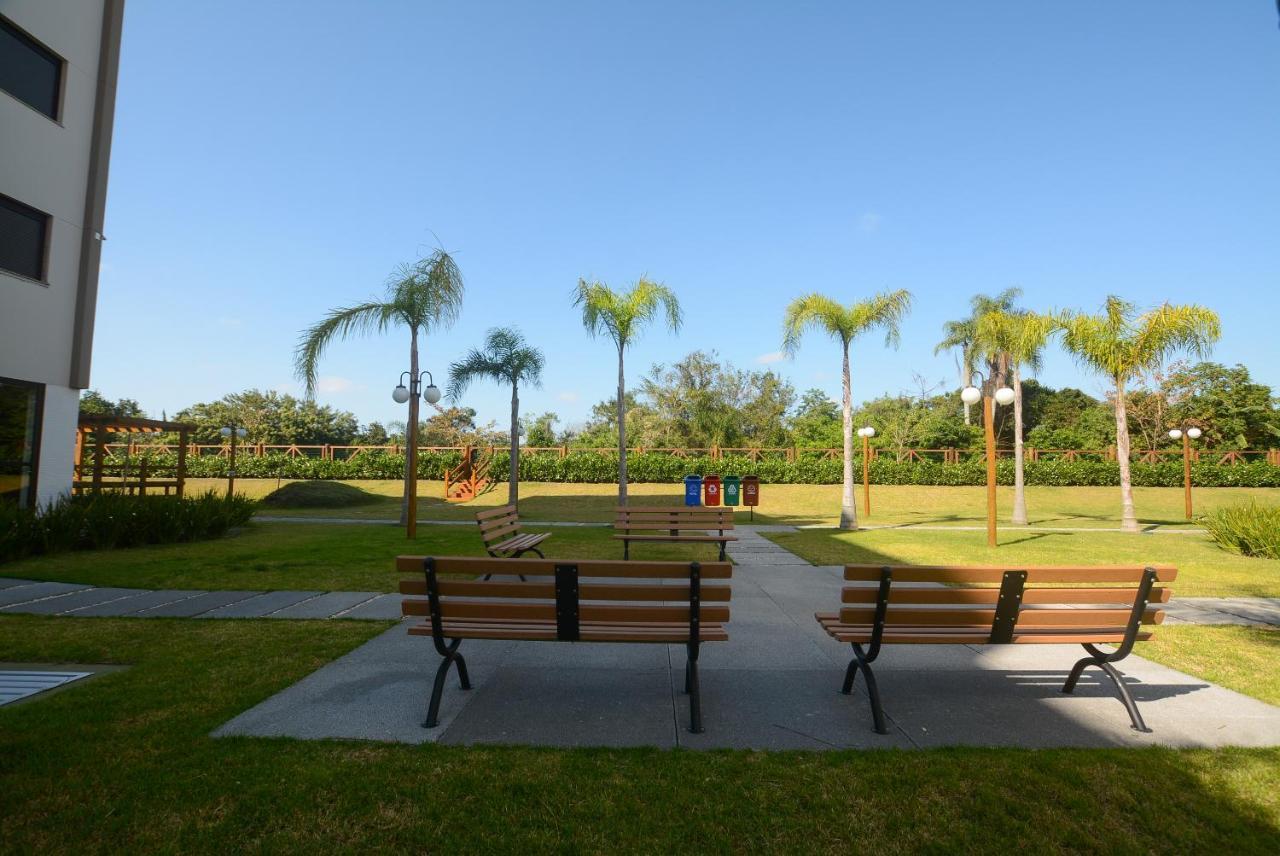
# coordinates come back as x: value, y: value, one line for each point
x: 772, y: 686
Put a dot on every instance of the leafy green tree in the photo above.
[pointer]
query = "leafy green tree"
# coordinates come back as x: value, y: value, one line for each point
x: 93, y: 403
x: 373, y: 434
x: 1120, y: 344
x: 816, y: 421
x: 423, y: 296
x: 456, y: 426
x: 505, y: 357
x: 540, y: 430
x: 845, y: 323
x: 273, y: 418
x: 1233, y: 411
x: 620, y: 316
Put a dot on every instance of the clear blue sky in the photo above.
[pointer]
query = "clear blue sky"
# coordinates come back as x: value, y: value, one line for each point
x: 273, y: 160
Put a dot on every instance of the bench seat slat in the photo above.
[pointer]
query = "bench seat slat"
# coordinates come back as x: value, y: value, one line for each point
x: 993, y: 574
x: 711, y: 593
x: 526, y: 610
x: 588, y: 632
x: 715, y: 539
x: 1027, y: 616
x: 906, y: 595
x: 496, y: 512
x: 678, y: 525
x: 480, y: 565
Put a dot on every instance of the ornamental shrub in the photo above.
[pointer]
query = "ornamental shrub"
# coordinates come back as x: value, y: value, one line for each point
x: 1250, y: 529
x: 116, y: 520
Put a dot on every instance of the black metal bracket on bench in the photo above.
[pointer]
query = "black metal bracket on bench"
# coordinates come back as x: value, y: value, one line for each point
x: 695, y: 639
x: 862, y: 660
x: 449, y: 650
x: 567, y: 626
x: 1012, y: 586
x: 1103, y: 660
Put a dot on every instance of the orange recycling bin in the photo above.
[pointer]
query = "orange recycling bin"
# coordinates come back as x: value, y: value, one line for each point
x: 751, y: 490
x: 711, y: 490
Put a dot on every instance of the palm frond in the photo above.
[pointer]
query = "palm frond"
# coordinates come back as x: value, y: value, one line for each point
x: 338, y: 324
x: 504, y: 358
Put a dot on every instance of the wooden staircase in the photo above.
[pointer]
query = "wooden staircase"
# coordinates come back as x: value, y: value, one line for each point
x: 470, y: 477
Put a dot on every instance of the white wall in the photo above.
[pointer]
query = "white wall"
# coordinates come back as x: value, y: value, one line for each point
x: 45, y: 164
x: 57, y: 443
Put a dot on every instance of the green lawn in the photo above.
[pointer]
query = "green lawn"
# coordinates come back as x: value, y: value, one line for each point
x: 311, y: 556
x: 1245, y: 659
x: 124, y: 763
x: 1093, y: 507
x: 1204, y: 570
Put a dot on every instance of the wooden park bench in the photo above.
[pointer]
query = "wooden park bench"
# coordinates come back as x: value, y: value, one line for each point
x: 500, y: 531
x: 682, y: 524
x: 996, y: 606
x: 567, y: 601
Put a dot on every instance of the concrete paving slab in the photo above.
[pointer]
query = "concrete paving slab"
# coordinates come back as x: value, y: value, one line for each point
x: 69, y: 603
x: 10, y: 582
x: 138, y: 603
x: 569, y: 707
x: 382, y: 606
x: 589, y: 655
x: 780, y: 709
x: 326, y: 605
x: 262, y: 605
x: 36, y: 591
x: 377, y: 692
x: 194, y: 606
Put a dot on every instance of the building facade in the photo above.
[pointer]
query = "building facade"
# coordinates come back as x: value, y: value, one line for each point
x: 58, y: 66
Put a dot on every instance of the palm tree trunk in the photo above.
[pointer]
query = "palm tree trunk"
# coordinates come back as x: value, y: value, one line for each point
x: 1128, y: 518
x: 622, y: 430
x: 513, y: 479
x: 1019, y: 476
x: 964, y: 381
x: 848, y: 510
x: 411, y: 430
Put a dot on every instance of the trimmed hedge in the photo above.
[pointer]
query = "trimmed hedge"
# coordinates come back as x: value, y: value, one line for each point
x: 594, y: 467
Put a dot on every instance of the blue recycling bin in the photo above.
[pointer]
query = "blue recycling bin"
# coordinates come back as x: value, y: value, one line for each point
x: 692, y: 490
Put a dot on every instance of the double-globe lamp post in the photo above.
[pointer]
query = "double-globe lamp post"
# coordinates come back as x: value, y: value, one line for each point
x: 866, y: 434
x: 1186, y: 435
x: 990, y: 397
x: 232, y: 433
x: 400, y: 395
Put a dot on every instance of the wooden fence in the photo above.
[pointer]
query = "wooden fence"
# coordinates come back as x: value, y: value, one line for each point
x: 787, y: 453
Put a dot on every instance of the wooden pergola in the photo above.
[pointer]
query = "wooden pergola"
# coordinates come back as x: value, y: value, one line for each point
x: 95, y: 430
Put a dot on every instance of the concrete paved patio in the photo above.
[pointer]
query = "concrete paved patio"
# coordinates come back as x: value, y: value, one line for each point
x: 774, y: 685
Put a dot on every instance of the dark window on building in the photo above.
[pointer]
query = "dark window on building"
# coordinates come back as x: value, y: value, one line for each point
x: 20, y: 405
x: 23, y: 232
x: 29, y: 71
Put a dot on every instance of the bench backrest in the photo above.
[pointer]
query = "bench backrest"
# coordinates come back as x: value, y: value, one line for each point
x: 675, y: 519
x: 628, y: 595
x: 498, y: 524
x: 995, y: 602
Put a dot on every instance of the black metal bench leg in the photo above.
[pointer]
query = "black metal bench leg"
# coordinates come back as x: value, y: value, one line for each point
x: 695, y: 698
x: 1122, y: 689
x: 437, y: 689
x: 862, y: 663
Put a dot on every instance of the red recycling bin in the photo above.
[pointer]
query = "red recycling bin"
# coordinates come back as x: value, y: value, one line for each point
x: 711, y: 490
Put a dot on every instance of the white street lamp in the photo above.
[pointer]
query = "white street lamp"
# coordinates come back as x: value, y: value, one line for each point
x: 866, y: 433
x: 1186, y: 435
x: 970, y: 395
x: 1004, y: 395
x: 400, y: 395
x: 233, y: 433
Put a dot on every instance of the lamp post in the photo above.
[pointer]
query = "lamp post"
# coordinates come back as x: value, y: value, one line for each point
x: 866, y: 434
x: 400, y: 395
x: 233, y: 433
x: 990, y: 395
x: 1186, y: 435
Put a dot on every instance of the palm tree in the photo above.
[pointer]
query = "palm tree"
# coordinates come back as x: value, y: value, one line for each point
x: 1019, y: 339
x: 620, y: 316
x: 961, y: 335
x: 845, y: 323
x: 505, y: 358
x: 424, y: 295
x: 1121, y: 344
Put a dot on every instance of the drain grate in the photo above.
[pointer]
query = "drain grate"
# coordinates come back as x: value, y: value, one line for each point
x: 15, y: 685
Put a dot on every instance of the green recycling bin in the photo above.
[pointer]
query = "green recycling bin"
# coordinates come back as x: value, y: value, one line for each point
x: 732, y: 490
